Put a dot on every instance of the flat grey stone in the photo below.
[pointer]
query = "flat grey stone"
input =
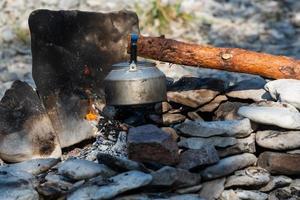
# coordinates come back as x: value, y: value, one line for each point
x: 192, y: 189
x: 274, y: 104
x: 282, y: 194
x: 277, y: 116
x: 249, y: 89
x: 280, y: 163
x: 175, y: 178
x: 35, y: 166
x: 26, y: 130
x: 243, y: 145
x: 116, y: 185
x: 54, y: 186
x: 78, y: 169
x: 156, y: 145
x: 228, y: 111
x: 276, y: 182
x: 16, y: 184
x: 162, y: 107
x: 134, y: 197
x: 251, y: 177
x: 171, y: 131
x: 192, y: 98
x: 199, y: 143
x: 169, y: 118
x: 212, y: 190
x: 193, y: 115
x: 186, y: 197
x: 234, y: 128
x: 211, y: 106
x: 278, y: 140
x: 296, y: 151
x: 120, y: 164
x: 228, y: 165
x: 193, y: 158
x: 243, y: 195
x: 285, y: 90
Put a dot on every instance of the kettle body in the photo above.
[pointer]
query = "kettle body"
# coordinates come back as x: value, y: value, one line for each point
x: 135, y: 84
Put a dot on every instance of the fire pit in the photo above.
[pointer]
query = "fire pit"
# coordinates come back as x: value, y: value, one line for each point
x: 94, y: 129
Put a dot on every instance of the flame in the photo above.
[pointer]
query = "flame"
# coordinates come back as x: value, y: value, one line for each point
x: 91, y: 116
x: 91, y: 112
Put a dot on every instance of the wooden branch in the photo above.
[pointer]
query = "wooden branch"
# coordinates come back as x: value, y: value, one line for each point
x: 229, y: 59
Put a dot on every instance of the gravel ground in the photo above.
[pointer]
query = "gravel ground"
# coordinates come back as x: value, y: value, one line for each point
x: 260, y: 25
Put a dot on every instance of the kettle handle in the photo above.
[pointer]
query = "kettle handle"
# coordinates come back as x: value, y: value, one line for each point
x: 133, y: 48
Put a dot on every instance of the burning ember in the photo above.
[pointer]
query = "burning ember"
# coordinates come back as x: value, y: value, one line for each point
x: 91, y: 116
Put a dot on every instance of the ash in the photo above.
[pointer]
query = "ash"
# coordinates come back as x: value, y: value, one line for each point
x: 111, y: 138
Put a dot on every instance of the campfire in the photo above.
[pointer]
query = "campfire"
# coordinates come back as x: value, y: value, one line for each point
x: 104, y: 123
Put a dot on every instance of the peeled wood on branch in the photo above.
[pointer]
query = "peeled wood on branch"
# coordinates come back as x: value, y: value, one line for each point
x: 229, y: 59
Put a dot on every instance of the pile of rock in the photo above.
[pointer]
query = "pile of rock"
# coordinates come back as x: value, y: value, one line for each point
x: 209, y: 141
x: 246, y: 148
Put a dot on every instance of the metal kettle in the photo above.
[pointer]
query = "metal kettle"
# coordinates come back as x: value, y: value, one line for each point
x: 134, y: 83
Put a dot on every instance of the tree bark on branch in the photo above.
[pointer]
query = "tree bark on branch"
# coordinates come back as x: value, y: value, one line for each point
x: 229, y: 59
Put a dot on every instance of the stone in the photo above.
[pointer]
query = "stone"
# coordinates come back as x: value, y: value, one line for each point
x: 243, y: 145
x: 93, y: 3
x: 171, y: 131
x: 7, y: 35
x: 54, y: 187
x: 277, y: 116
x: 189, y: 82
x: 185, y: 197
x: 169, y: 118
x: 78, y: 169
x: 175, y: 178
x: 243, y: 194
x: 35, y: 166
x: 68, y: 4
x: 50, y: 2
x: 192, y: 158
x: 162, y: 107
x: 211, y: 106
x: 280, y: 163
x: 276, y: 182
x: 26, y: 130
x: 199, y: 143
x: 228, y: 111
x: 296, y: 151
x: 274, y: 104
x: 282, y: 194
x: 134, y: 197
x: 155, y: 145
x: 249, y: 89
x: 213, y: 189
x: 192, y: 98
x: 251, y: 177
x: 120, y: 164
x: 116, y: 185
x: 192, y: 189
x: 72, y: 53
x: 17, y: 185
x: 278, y: 140
x: 234, y: 128
x: 285, y: 90
x: 194, y: 92
x: 194, y: 116
x: 294, y: 187
x: 228, y: 165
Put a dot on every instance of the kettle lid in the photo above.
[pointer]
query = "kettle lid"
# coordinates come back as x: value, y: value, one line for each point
x: 123, y: 65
